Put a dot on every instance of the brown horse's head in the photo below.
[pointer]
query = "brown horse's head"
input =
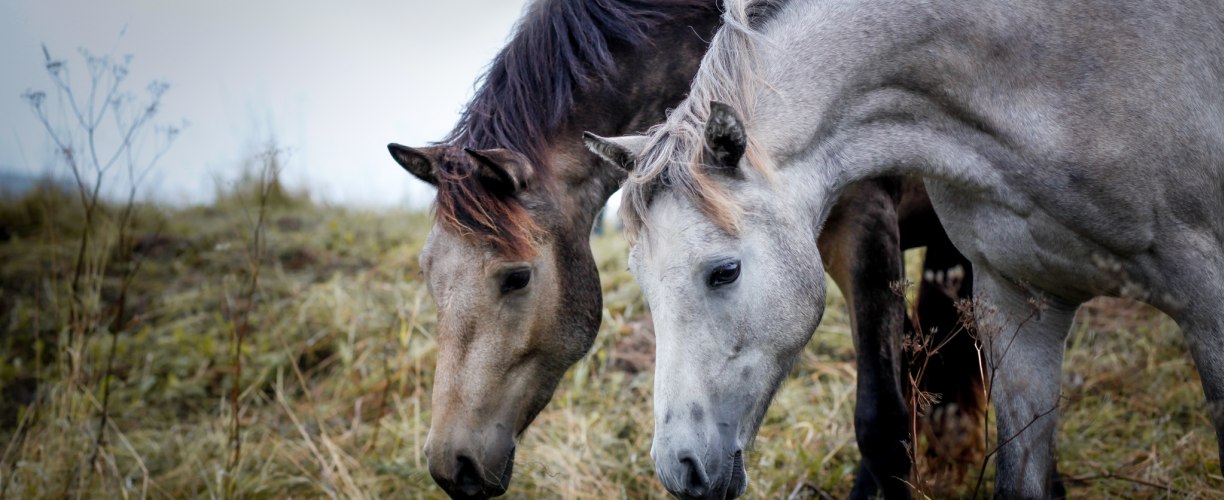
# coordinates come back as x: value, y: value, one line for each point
x: 518, y: 302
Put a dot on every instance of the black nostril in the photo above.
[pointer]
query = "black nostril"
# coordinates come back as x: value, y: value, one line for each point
x: 467, y: 478
x: 695, y: 481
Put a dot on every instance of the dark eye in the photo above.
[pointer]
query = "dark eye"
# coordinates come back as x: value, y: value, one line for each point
x: 724, y: 274
x: 515, y: 280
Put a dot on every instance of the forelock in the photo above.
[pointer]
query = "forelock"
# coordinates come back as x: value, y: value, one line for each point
x: 674, y: 155
x: 466, y: 207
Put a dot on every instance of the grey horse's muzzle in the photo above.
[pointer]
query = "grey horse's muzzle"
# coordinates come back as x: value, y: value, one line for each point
x: 699, y: 460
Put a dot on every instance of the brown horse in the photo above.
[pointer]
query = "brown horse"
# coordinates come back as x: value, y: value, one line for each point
x: 509, y: 265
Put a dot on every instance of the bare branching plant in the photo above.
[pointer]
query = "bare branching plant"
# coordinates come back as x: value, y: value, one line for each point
x: 920, y: 347
x: 97, y: 124
x: 977, y: 318
x: 104, y: 133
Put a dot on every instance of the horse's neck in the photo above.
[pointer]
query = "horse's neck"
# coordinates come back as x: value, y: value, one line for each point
x: 650, y: 79
x: 864, y: 103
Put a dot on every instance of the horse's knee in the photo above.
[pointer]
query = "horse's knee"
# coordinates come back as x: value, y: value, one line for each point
x: 881, y: 422
x: 1043, y: 487
x: 883, y: 445
x: 1025, y: 352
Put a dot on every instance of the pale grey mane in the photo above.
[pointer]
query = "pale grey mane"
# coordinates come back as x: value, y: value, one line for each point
x: 673, y: 156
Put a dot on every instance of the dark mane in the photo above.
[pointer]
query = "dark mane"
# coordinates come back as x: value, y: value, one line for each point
x: 559, y: 46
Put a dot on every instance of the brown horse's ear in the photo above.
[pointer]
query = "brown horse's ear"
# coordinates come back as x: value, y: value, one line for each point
x: 502, y: 168
x: 724, y: 135
x: 419, y: 162
x: 620, y: 151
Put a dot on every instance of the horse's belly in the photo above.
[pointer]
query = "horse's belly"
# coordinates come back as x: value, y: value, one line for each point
x: 1032, y: 247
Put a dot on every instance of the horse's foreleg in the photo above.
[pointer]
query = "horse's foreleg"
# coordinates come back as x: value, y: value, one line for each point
x: 860, y: 247
x: 1024, y: 341
x: 1202, y: 322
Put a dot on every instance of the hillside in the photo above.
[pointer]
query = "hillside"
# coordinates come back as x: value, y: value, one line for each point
x: 337, y: 359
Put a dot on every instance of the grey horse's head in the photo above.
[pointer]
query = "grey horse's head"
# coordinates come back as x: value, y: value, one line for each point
x: 735, y: 290
x: 518, y: 301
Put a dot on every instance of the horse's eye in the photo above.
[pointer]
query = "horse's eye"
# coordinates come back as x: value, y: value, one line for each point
x: 515, y: 280
x: 724, y: 274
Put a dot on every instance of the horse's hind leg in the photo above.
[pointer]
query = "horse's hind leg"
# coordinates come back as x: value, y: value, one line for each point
x: 860, y: 246
x: 1024, y: 343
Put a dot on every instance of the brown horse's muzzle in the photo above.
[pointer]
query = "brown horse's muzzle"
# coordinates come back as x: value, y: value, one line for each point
x: 470, y: 464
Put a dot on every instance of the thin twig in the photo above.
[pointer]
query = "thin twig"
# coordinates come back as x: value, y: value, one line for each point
x: 241, y: 327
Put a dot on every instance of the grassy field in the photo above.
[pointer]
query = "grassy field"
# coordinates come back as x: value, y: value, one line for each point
x: 337, y: 357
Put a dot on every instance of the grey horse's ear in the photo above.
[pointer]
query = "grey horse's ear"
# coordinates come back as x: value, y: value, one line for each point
x: 620, y: 151
x: 502, y: 168
x: 420, y: 162
x: 724, y: 135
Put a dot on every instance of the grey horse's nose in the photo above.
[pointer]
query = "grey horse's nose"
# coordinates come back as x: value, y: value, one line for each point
x: 693, y: 475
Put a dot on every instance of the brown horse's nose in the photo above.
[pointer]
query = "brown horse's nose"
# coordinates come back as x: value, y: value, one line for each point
x: 466, y: 482
x: 463, y: 476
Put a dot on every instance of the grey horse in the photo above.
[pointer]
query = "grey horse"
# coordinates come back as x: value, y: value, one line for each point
x: 1072, y: 149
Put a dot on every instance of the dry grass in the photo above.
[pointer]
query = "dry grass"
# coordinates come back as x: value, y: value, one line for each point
x: 339, y: 358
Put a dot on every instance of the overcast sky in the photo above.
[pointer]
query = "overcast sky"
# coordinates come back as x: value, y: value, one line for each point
x: 333, y: 81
